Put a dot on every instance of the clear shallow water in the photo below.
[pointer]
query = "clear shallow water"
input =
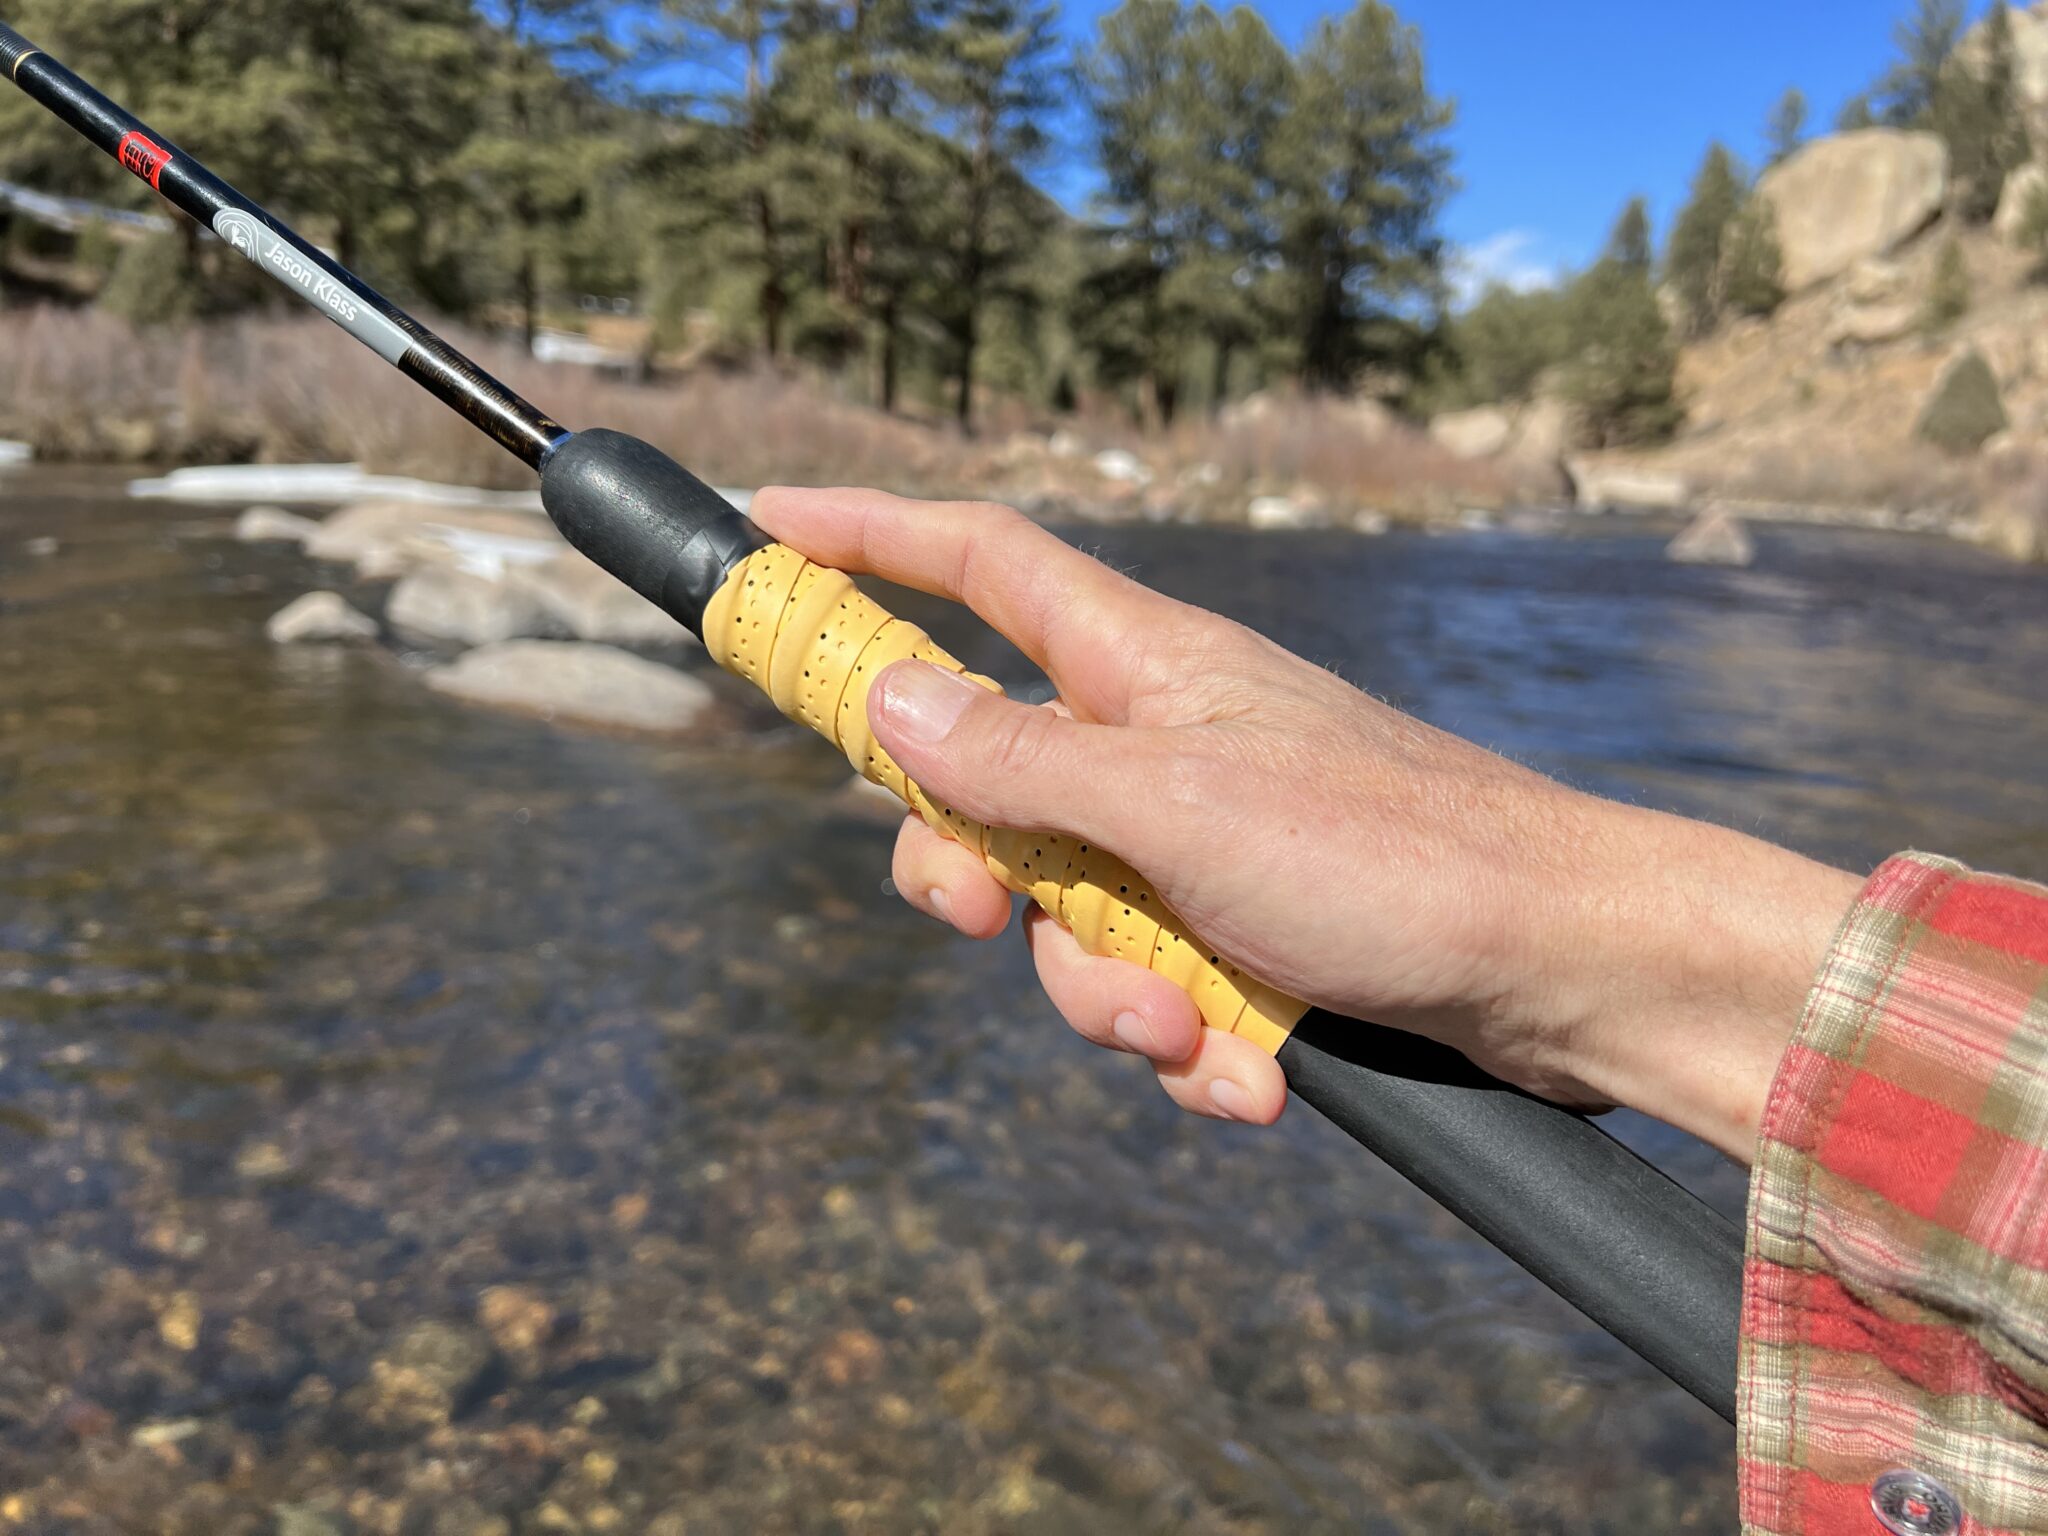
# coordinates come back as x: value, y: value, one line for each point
x: 328, y: 1006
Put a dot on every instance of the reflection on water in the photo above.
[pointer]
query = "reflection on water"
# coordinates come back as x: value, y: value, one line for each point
x: 413, y: 1120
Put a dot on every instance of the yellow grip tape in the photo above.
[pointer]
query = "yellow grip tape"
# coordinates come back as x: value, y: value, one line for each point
x: 814, y: 643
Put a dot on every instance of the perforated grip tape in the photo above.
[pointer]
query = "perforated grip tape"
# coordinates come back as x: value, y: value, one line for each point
x: 815, y: 644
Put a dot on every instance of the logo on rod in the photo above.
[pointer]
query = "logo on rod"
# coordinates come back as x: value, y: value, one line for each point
x: 143, y: 156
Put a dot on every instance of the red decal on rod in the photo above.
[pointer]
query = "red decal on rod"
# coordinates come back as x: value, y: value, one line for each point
x: 144, y: 157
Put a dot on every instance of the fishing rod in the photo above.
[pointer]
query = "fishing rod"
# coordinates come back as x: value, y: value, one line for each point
x: 1634, y: 1251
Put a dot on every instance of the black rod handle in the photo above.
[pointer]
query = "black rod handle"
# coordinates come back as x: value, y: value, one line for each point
x: 1637, y: 1253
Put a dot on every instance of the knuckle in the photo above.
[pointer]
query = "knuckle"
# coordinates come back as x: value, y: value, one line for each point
x: 1018, y: 743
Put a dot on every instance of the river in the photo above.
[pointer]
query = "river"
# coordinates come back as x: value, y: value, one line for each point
x: 416, y: 1120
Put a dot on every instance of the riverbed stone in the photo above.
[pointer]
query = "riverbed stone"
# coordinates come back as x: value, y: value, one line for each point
x: 318, y: 618
x: 384, y: 538
x: 576, y: 682
x: 443, y: 603
x: 274, y: 525
x: 1714, y: 538
x: 592, y: 604
x: 423, y: 1380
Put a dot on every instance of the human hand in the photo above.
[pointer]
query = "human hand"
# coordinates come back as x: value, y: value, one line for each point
x: 1590, y: 952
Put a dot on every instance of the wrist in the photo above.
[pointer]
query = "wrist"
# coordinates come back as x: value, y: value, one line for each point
x: 1700, y: 950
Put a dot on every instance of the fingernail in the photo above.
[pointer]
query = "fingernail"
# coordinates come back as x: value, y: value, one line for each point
x: 1232, y: 1100
x: 925, y: 702
x: 1134, y: 1033
x: 941, y: 903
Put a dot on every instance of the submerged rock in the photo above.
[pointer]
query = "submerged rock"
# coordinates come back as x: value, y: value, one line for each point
x: 319, y: 617
x: 425, y: 1379
x: 576, y: 682
x: 1715, y: 538
x: 384, y: 538
x: 592, y: 604
x: 274, y: 525
x: 442, y: 603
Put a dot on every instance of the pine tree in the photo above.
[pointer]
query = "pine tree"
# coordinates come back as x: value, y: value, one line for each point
x: 1365, y: 172
x: 1501, y: 348
x: 1694, y: 260
x: 1236, y: 87
x: 992, y: 91
x: 1977, y: 111
x: 2033, y: 230
x: 1857, y: 113
x: 1628, y: 244
x: 1623, y: 374
x: 1753, y: 281
x: 731, y: 172
x: 1949, y: 295
x: 541, y: 145
x: 1132, y: 80
x: 1786, y: 130
x: 1905, y: 96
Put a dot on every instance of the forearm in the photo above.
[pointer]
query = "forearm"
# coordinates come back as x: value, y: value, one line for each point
x: 1696, y: 950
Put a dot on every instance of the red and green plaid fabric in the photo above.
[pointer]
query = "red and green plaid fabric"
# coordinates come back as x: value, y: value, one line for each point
x: 1895, y: 1311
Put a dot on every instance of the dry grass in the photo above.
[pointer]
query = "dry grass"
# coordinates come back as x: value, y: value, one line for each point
x: 84, y: 386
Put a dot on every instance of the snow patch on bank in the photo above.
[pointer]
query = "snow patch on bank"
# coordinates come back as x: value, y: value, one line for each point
x: 12, y: 453
x: 327, y: 484
x: 320, y: 483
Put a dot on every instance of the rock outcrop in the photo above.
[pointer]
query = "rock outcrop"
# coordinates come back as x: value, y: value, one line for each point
x: 1599, y: 487
x: 2021, y: 188
x: 576, y: 683
x: 319, y: 617
x: 1475, y: 434
x: 1853, y: 195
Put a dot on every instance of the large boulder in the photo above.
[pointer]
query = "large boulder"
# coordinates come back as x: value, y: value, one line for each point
x: 1475, y: 434
x: 1853, y: 195
x: 1964, y: 409
x: 1870, y: 325
x: 578, y: 683
x: 592, y: 604
x: 1714, y: 538
x: 2021, y: 188
x: 1543, y: 432
x: 443, y: 603
x: 1599, y: 486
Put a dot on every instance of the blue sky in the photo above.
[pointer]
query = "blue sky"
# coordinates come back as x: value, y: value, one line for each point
x: 1566, y: 110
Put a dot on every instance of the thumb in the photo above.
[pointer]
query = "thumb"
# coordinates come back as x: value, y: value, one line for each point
x: 1008, y: 764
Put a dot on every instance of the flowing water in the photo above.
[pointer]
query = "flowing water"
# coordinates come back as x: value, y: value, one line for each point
x: 416, y: 1120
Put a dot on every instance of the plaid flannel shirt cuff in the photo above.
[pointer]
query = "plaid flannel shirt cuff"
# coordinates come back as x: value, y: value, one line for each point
x: 1896, y: 1288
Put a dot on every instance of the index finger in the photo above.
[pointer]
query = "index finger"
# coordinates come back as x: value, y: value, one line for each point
x: 1060, y: 607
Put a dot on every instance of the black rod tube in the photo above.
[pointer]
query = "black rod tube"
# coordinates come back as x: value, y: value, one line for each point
x: 1637, y: 1253
x: 518, y: 427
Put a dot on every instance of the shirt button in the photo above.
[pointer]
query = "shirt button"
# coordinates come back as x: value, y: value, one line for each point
x: 1914, y: 1504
